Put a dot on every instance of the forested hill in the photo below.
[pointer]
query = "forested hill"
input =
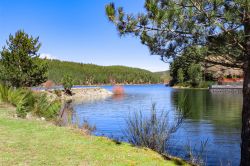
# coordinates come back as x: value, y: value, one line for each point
x: 89, y: 74
x: 165, y: 75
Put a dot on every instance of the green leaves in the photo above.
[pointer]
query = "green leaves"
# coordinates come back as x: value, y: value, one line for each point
x: 45, y: 108
x: 67, y: 82
x: 195, y: 75
x: 27, y: 101
x: 21, y: 66
x: 169, y: 27
x: 180, y: 75
x: 111, y: 12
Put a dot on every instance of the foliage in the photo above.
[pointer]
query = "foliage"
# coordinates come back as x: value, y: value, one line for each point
x: 45, y: 108
x: 192, y: 55
x: 195, y: 74
x: 165, y: 75
x: 205, y: 84
x: 89, y: 74
x: 152, y: 132
x: 26, y: 101
x: 169, y: 27
x: 21, y: 65
x: 25, y: 104
x: 67, y: 83
x: 180, y: 75
x: 3, y: 93
x: 22, y: 99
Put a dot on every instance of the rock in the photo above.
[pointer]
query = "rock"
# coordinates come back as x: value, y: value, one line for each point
x: 42, y: 118
x: 83, y: 94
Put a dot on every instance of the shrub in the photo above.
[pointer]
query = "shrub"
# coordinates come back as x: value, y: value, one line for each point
x: 3, y: 93
x: 26, y: 101
x: 67, y: 83
x: 152, y: 132
x: 205, y: 84
x: 25, y: 104
x: 180, y: 75
x: 45, y: 108
x: 195, y: 75
x: 22, y: 99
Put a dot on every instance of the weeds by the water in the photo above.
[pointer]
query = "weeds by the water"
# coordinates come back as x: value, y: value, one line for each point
x: 87, y: 127
x: 196, y: 155
x: 154, y: 131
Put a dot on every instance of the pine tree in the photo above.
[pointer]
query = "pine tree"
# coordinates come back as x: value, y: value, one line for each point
x: 168, y: 27
x: 21, y: 65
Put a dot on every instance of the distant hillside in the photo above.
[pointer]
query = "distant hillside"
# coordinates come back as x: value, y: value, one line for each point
x: 88, y: 74
x: 165, y: 75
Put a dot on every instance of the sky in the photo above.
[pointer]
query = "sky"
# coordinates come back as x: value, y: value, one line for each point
x: 77, y: 30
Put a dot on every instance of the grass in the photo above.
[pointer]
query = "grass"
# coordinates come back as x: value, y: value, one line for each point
x: 31, y: 142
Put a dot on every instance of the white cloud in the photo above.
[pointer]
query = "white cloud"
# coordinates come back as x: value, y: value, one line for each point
x: 47, y: 56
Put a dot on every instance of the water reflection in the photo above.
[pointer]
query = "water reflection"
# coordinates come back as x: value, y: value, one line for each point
x: 118, y: 97
x: 222, y: 110
x: 212, y: 116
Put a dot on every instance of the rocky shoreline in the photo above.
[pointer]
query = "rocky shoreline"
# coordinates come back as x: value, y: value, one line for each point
x: 80, y: 95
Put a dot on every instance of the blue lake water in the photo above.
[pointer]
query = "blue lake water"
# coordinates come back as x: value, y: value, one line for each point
x: 215, y: 117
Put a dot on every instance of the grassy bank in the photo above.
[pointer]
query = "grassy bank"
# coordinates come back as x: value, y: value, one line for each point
x: 31, y: 142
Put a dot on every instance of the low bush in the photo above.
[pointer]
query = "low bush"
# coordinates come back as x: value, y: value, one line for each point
x: 152, y: 132
x: 26, y: 101
x: 3, y: 93
x: 45, y: 108
x: 205, y: 84
x: 67, y: 83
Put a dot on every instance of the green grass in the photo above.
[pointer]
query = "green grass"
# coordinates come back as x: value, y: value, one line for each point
x: 30, y: 142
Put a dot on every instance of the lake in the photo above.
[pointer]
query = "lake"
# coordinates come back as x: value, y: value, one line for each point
x: 215, y: 117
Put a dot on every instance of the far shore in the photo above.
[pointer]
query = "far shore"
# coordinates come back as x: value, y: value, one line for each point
x: 182, y: 87
x: 98, y: 85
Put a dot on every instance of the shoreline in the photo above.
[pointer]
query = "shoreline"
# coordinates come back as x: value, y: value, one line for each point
x: 79, y: 95
x: 73, y: 142
x: 178, y: 87
x: 94, y: 85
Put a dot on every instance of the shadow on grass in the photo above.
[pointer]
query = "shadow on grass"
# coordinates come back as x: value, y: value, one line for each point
x: 176, y: 160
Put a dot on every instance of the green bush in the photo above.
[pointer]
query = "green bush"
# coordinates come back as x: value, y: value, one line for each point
x: 26, y: 101
x: 180, y: 75
x: 26, y: 104
x: 205, y: 84
x: 45, y: 108
x: 67, y: 83
x: 3, y: 93
x: 195, y: 74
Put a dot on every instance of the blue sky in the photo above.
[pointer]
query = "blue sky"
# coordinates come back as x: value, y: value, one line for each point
x: 77, y: 30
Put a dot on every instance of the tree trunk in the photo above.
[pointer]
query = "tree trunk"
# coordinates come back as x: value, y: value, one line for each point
x: 245, y: 133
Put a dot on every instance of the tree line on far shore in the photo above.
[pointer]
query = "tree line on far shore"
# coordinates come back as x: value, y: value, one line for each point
x: 90, y: 74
